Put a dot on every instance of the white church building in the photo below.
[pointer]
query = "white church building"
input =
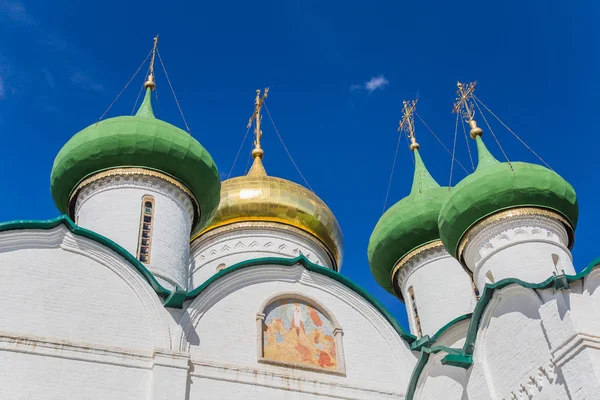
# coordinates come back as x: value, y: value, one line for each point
x: 159, y: 281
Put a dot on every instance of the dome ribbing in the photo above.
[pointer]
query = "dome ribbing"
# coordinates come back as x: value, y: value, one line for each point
x: 497, y: 186
x: 407, y: 225
x: 140, y: 141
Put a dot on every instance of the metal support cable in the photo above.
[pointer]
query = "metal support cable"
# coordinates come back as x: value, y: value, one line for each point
x: 122, y: 90
x: 442, y: 143
x: 238, y: 153
x: 494, y: 135
x: 515, y: 135
x: 387, y: 192
x: 172, y: 91
x: 139, y: 94
x: 285, y: 147
x: 467, y: 142
x: 453, y: 150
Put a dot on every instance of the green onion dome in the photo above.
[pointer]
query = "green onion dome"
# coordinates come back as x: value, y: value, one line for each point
x: 140, y: 141
x: 407, y: 225
x: 497, y: 186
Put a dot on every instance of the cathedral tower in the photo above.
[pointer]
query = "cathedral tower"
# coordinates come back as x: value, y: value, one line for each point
x: 508, y: 219
x: 265, y: 216
x: 407, y: 257
x: 141, y: 182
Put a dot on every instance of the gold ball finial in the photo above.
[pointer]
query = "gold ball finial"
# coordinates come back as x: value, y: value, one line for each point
x: 475, y: 130
x: 258, y: 152
x: 150, y: 82
x: 414, y: 146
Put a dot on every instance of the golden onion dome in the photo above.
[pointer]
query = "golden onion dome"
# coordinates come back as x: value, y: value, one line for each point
x: 258, y: 197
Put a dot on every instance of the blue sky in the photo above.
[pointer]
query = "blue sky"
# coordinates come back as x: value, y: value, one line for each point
x: 338, y: 72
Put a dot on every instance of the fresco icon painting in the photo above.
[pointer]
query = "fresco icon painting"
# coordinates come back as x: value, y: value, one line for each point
x: 298, y: 333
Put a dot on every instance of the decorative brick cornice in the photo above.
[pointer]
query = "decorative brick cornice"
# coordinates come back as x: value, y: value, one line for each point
x: 136, y: 178
x: 516, y: 218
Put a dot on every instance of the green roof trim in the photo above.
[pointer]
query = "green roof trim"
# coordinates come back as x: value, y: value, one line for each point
x: 140, y: 141
x: 405, y: 226
x: 409, y: 338
x: 176, y: 298
x: 463, y: 357
x: 496, y: 186
x: 86, y: 233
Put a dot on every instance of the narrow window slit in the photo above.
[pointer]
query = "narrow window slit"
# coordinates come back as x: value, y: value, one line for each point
x: 145, y: 236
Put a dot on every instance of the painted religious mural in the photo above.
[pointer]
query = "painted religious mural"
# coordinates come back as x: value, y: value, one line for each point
x: 295, y: 332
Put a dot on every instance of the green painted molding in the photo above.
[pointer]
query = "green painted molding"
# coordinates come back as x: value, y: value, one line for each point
x: 409, y: 338
x: 177, y: 297
x: 77, y: 230
x: 463, y: 357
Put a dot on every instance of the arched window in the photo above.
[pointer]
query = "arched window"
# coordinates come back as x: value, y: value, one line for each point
x: 415, y: 312
x: 296, y: 331
x: 146, y: 223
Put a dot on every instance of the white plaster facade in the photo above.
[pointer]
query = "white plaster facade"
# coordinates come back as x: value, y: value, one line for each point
x: 80, y: 319
x: 112, y: 207
x: 237, y: 242
x: 441, y: 288
x: 528, y: 247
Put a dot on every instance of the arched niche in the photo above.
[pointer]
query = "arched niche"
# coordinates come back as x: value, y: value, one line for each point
x: 294, y: 330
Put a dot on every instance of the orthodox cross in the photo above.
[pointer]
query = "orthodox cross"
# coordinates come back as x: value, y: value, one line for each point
x: 407, y: 123
x: 258, y: 103
x: 150, y: 82
x: 464, y: 100
x: 465, y: 106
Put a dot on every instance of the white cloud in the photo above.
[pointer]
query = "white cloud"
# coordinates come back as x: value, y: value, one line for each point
x: 376, y: 82
x: 83, y: 81
x: 16, y: 11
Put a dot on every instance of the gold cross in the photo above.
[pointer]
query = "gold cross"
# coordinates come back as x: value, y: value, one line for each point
x: 464, y: 100
x: 258, y: 103
x: 150, y: 81
x: 407, y: 123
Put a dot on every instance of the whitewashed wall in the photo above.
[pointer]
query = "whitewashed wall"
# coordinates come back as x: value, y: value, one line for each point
x: 442, y: 289
x: 529, y: 247
x: 76, y: 322
x: 238, y: 242
x: 221, y: 326
x: 446, y: 382
x: 112, y: 207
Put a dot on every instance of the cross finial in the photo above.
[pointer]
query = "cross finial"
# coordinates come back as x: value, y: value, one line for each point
x: 465, y: 106
x: 150, y: 81
x: 407, y: 123
x: 258, y: 103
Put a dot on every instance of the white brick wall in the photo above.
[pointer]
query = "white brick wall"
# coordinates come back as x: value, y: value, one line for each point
x: 521, y: 247
x: 223, y: 323
x: 78, y: 322
x: 442, y: 289
x: 112, y: 207
x: 239, y: 242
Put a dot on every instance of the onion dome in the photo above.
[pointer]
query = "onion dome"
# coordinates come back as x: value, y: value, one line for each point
x: 407, y: 225
x: 496, y: 186
x: 258, y: 197
x: 140, y: 141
